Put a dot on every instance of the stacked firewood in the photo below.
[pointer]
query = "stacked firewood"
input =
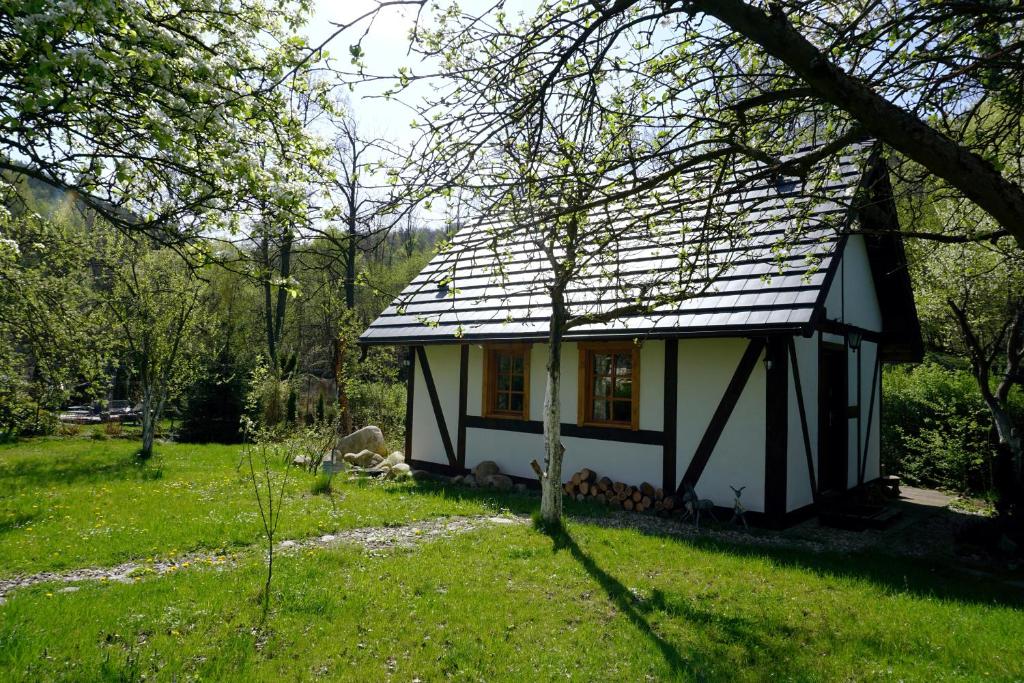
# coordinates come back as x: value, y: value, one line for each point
x: 586, y: 485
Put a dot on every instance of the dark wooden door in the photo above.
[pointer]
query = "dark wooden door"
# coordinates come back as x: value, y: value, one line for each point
x: 833, y: 463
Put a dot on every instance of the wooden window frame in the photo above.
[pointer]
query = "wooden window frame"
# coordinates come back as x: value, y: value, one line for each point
x: 490, y: 384
x: 585, y: 387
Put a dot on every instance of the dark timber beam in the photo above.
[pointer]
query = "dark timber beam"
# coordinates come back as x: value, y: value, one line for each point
x: 776, y: 433
x: 668, y: 455
x: 843, y: 329
x: 722, y: 413
x: 409, y: 394
x: 860, y: 413
x: 460, y: 453
x: 648, y: 437
x: 805, y: 431
x: 871, y: 414
x: 435, y: 402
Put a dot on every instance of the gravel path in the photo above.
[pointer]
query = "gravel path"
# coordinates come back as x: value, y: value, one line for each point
x: 374, y: 539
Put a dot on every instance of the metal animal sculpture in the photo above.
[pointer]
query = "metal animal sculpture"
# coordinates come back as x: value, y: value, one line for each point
x: 696, y: 506
x: 738, y: 511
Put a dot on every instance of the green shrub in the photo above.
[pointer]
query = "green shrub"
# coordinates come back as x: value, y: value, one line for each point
x: 292, y: 407
x: 381, y: 404
x: 936, y: 430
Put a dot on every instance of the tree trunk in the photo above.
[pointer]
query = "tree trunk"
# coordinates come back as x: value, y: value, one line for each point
x: 1009, y: 439
x: 268, y: 305
x: 282, y: 292
x: 551, y: 482
x: 350, y: 264
x: 1010, y: 457
x: 148, y: 425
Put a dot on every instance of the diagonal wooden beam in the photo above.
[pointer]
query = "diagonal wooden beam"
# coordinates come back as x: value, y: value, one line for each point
x: 803, y: 419
x: 435, y: 402
x: 722, y: 413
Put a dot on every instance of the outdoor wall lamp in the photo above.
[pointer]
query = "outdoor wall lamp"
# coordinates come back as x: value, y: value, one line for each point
x: 853, y: 339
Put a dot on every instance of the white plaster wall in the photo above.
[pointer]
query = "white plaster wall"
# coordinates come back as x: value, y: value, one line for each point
x: 513, y: 451
x: 652, y: 389
x: 705, y: 368
x: 798, y: 483
x: 632, y: 463
x: 426, y: 438
x: 539, y: 379
x: 852, y: 298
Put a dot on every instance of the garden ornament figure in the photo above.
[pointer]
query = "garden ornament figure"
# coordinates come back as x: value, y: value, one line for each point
x: 739, y: 513
x: 694, y: 506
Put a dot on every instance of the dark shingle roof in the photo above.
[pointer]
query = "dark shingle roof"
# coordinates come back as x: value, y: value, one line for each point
x: 499, y: 294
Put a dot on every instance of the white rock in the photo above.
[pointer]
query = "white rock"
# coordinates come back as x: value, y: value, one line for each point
x: 485, y: 469
x: 368, y: 438
x: 400, y: 471
x: 364, y: 458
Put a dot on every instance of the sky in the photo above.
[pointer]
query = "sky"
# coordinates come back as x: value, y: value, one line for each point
x: 386, y: 47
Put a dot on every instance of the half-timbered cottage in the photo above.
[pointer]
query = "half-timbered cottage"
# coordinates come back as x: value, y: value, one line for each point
x: 768, y: 380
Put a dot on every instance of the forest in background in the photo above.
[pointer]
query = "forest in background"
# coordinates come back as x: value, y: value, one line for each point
x: 87, y: 314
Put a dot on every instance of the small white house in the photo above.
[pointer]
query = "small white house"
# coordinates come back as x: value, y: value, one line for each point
x: 770, y: 380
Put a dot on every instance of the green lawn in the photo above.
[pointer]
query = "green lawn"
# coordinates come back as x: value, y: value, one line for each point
x: 68, y: 503
x: 500, y: 603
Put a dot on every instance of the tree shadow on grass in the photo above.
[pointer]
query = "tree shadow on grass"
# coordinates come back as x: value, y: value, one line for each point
x: 16, y: 521
x: 893, y: 573
x: 888, y: 571
x: 44, y: 472
x: 701, y: 662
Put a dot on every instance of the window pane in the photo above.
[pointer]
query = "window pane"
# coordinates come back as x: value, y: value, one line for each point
x: 516, y: 402
x: 623, y: 364
x: 517, y: 364
x: 623, y: 388
x: 600, y: 410
x: 503, y: 382
x: 517, y: 383
x: 602, y: 385
x: 502, y: 402
x: 503, y: 362
x: 602, y: 364
x: 622, y: 411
